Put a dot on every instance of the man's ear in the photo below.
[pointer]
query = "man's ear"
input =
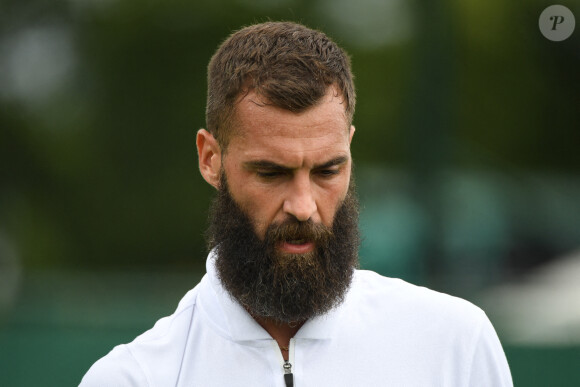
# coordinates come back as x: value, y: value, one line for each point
x: 210, y: 157
x: 351, y: 134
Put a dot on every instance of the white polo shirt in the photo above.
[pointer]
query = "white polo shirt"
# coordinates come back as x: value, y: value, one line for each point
x: 386, y: 333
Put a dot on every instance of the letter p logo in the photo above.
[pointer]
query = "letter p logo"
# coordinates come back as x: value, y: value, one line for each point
x: 557, y: 23
x: 557, y: 20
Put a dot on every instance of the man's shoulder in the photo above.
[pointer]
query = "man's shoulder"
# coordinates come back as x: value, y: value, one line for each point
x: 173, y: 325
x: 424, y: 328
x: 396, y: 296
x: 127, y: 364
x: 118, y: 368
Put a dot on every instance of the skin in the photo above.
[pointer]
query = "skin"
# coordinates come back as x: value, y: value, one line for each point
x: 280, y: 165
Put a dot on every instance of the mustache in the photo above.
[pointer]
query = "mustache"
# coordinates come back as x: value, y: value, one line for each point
x: 293, y: 229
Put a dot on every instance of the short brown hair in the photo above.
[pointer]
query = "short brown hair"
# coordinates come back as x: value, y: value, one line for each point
x: 290, y: 65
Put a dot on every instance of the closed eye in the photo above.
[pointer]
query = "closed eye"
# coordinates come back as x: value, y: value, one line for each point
x: 270, y: 174
x: 327, y: 172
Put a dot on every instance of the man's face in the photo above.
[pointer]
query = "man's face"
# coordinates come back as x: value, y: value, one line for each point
x: 285, y: 220
x: 282, y: 165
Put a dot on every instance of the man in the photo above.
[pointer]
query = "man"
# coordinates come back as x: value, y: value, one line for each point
x: 282, y: 303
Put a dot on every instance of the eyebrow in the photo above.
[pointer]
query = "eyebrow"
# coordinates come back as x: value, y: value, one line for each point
x: 270, y: 165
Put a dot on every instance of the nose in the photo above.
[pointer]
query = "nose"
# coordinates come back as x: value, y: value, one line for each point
x: 300, y: 201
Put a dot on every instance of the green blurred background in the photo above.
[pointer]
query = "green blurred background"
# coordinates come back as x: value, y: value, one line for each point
x: 466, y: 157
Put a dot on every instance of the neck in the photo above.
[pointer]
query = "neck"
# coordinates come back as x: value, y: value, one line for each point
x: 281, y: 332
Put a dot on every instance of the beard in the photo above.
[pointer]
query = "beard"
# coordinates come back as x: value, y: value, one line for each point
x: 284, y: 287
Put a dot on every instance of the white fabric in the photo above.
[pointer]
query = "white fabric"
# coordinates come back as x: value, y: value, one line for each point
x: 386, y: 333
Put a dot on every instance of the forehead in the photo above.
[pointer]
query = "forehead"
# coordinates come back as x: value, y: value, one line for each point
x: 266, y: 130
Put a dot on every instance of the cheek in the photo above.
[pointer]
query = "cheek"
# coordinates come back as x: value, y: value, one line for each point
x: 261, y: 206
x: 330, y: 200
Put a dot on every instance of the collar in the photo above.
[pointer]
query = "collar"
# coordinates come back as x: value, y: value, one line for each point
x: 233, y: 321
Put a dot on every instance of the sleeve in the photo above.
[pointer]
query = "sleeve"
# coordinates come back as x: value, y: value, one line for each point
x: 117, y: 369
x: 489, y: 365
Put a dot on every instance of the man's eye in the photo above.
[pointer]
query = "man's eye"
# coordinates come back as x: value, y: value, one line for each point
x: 269, y: 174
x: 328, y: 172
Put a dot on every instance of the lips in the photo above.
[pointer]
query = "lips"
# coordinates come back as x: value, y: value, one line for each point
x: 296, y: 246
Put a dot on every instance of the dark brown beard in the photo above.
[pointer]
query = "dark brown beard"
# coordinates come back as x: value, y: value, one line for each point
x: 284, y: 287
